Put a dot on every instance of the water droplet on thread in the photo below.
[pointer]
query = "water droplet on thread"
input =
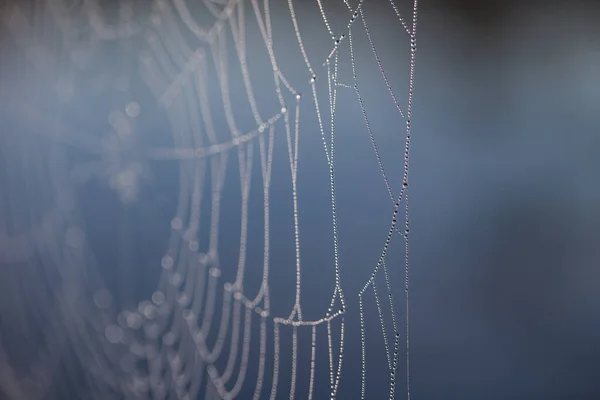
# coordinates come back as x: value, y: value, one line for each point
x: 133, y: 109
x: 167, y: 262
x: 113, y: 334
x: 103, y: 299
x: 176, y: 223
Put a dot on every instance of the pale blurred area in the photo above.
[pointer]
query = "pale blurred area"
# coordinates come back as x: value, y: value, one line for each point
x: 506, y: 238
x: 504, y: 197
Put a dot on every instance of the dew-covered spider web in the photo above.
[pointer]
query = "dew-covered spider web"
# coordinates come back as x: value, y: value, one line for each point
x: 216, y: 96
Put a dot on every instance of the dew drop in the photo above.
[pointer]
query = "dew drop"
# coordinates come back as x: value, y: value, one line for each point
x: 126, y: 179
x: 203, y: 258
x: 194, y: 246
x: 113, y: 334
x: 102, y: 299
x: 149, y: 311
x: 169, y: 339
x: 167, y: 262
x: 134, y: 320
x: 133, y: 109
x: 175, y: 279
x: 183, y: 299
x: 152, y: 331
x: 176, y: 223
x: 158, y: 297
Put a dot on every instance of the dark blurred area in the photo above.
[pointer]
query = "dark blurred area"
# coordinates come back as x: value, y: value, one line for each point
x: 504, y: 200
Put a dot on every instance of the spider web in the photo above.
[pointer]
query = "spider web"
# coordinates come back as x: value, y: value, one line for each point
x: 204, y: 329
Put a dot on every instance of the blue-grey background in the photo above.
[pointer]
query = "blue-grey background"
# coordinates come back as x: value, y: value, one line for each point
x: 505, y: 207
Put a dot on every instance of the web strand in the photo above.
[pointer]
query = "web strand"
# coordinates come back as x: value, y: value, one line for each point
x: 197, y: 332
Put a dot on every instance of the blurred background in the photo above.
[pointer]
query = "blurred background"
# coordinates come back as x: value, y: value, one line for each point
x: 504, y: 200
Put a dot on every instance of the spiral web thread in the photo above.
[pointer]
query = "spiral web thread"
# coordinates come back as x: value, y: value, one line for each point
x: 169, y: 334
